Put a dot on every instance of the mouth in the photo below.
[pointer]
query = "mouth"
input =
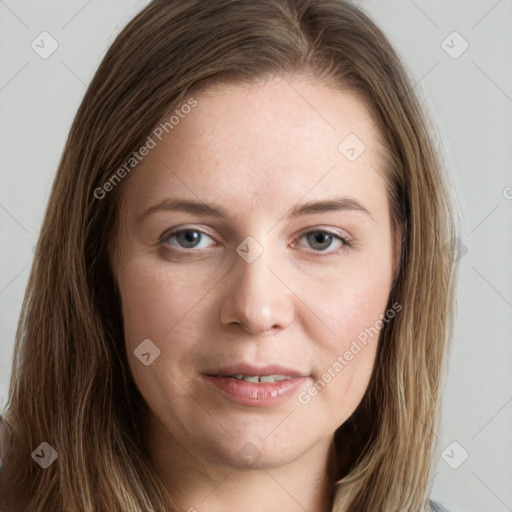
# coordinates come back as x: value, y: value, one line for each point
x: 256, y: 378
x: 262, y: 386
x: 257, y: 373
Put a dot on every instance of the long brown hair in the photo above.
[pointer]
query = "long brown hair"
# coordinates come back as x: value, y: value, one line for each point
x: 71, y: 386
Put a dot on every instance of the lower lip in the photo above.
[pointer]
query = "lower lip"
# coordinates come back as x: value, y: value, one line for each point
x: 264, y: 394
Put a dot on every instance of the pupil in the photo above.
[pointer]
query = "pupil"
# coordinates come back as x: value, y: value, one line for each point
x: 188, y: 238
x: 323, y: 239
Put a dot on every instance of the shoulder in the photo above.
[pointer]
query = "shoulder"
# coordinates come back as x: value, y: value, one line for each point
x: 436, y: 507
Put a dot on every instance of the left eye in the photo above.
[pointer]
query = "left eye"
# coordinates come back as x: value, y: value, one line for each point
x: 322, y: 240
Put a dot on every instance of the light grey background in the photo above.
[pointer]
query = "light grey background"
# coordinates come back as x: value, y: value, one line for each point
x: 470, y: 101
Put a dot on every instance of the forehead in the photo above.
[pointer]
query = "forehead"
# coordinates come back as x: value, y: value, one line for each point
x: 261, y: 143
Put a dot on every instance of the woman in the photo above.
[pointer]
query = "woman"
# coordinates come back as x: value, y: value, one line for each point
x: 242, y: 291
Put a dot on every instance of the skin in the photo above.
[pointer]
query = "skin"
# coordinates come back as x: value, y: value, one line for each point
x: 258, y: 151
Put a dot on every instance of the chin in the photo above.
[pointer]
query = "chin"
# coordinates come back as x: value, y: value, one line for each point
x: 257, y: 450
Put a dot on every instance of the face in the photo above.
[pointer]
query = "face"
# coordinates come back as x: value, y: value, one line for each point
x: 252, y: 243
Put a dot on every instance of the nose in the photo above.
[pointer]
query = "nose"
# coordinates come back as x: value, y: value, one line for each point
x: 256, y: 299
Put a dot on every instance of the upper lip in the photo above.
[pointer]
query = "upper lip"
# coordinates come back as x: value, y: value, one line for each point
x: 251, y: 369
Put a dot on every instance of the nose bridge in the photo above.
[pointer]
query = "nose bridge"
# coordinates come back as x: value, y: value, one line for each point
x: 256, y: 299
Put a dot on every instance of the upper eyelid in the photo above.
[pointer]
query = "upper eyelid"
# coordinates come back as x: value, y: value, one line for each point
x: 331, y: 231
x: 179, y: 229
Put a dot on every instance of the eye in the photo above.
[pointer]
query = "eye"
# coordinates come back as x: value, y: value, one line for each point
x: 187, y: 238
x: 321, y: 240
x: 318, y: 240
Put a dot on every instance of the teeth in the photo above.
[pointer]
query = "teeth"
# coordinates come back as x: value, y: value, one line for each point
x: 273, y: 378
x: 259, y: 378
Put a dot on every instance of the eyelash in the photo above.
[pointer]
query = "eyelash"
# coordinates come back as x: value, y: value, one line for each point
x: 164, y: 240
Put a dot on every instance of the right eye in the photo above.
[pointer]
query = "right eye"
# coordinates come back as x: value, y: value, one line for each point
x: 186, y: 239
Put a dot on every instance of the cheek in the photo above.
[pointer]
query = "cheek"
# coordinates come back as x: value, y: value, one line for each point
x: 155, y: 302
x: 166, y: 308
x: 158, y: 305
x: 359, y: 303
x: 353, y: 307
x: 349, y: 301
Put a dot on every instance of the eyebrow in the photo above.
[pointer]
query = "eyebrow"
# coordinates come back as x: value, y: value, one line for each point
x: 336, y: 203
